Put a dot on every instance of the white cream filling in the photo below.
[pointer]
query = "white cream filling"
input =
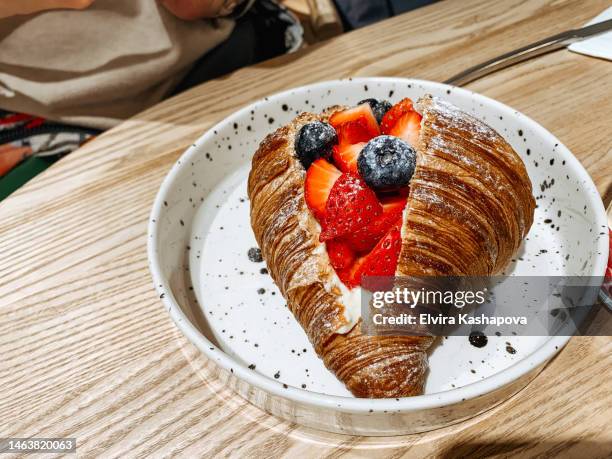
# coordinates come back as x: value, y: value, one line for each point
x: 350, y: 299
x: 403, y: 230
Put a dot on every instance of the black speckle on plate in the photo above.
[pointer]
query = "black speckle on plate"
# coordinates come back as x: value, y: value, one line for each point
x: 254, y: 255
x: 478, y: 339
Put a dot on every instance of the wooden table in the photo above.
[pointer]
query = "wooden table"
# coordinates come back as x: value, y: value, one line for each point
x: 87, y: 351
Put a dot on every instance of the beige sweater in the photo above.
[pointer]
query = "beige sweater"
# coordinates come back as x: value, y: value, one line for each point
x: 99, y: 66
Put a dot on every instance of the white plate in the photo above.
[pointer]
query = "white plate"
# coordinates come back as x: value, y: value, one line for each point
x: 200, y: 236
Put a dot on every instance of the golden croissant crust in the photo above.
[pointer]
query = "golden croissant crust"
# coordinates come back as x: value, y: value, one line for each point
x: 469, y: 207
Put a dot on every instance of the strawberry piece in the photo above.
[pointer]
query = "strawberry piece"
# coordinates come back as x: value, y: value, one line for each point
x: 407, y: 127
x: 364, y: 239
x: 340, y: 254
x: 345, y: 156
x: 395, y: 203
x: 394, y: 114
x: 382, y: 260
x: 320, y: 179
x: 341, y: 257
x: 355, y: 125
x: 350, y: 206
x: 355, y: 132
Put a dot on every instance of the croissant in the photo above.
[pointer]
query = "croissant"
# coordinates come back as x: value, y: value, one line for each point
x: 469, y: 206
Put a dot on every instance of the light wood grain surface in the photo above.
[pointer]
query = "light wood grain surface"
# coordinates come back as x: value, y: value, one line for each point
x: 87, y: 351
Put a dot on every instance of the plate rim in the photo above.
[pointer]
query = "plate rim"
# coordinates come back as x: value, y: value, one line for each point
x: 334, y: 402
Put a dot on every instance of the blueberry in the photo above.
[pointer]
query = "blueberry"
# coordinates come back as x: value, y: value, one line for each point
x: 379, y: 107
x: 386, y: 162
x: 315, y: 140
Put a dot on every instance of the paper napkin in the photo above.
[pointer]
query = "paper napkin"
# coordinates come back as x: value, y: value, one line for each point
x: 598, y: 46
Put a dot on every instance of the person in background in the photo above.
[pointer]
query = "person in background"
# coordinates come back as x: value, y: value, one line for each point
x: 72, y: 68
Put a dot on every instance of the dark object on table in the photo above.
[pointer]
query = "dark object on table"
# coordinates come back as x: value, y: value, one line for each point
x: 360, y: 13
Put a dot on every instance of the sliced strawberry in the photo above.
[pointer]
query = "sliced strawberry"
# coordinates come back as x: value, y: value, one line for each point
x: 355, y: 132
x: 382, y: 260
x: 345, y: 156
x: 350, y: 206
x: 364, y: 239
x: 394, y: 204
x: 408, y: 127
x: 395, y: 113
x: 320, y: 179
x: 355, y: 125
x: 341, y: 257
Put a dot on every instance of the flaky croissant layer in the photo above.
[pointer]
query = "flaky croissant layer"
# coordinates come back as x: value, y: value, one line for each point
x: 469, y: 207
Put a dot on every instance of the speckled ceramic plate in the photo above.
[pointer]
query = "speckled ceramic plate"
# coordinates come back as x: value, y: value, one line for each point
x: 227, y: 305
